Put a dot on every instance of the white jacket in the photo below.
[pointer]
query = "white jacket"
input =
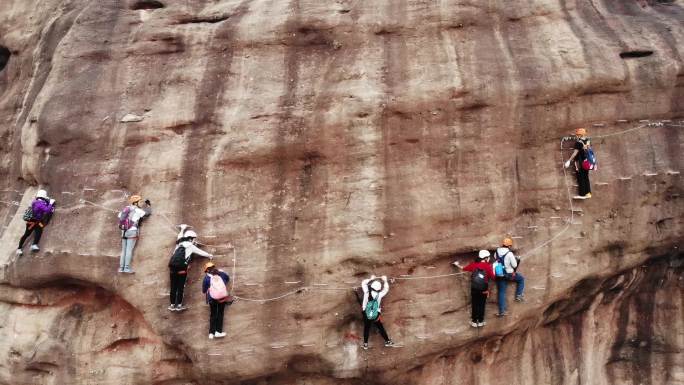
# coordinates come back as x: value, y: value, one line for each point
x: 510, y: 262
x: 135, y: 215
x: 374, y: 294
x: 190, y: 248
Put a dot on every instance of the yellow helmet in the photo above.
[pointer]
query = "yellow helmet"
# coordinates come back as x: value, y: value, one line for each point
x: 208, y: 266
x: 508, y: 242
x: 581, y: 131
x: 134, y: 199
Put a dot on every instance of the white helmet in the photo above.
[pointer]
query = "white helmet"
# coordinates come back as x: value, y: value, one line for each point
x: 190, y: 234
x: 484, y: 254
x: 376, y: 285
x: 41, y: 194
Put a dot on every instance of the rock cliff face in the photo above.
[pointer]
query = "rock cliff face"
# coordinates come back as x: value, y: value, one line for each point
x: 317, y: 142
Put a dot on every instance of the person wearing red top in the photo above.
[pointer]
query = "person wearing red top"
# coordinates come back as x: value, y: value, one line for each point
x: 483, y: 273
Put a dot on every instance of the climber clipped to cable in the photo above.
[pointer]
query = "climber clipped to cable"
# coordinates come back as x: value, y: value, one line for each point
x: 37, y: 216
x: 584, y: 160
x: 374, y: 289
x: 482, y: 273
x: 505, y: 268
x: 130, y: 220
x: 215, y: 288
x: 179, y: 264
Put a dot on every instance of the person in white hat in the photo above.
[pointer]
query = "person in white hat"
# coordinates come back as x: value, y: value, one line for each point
x: 373, y: 291
x: 179, y: 263
x: 483, y: 273
x: 37, y: 217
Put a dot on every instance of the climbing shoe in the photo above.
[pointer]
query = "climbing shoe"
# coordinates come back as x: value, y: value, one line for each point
x: 211, y: 336
x: 579, y: 197
x: 35, y: 248
x: 219, y: 335
x: 519, y: 298
x: 587, y: 196
x: 389, y: 343
x: 20, y: 252
x: 365, y: 346
x: 481, y: 324
x: 473, y: 324
x: 501, y: 314
x: 181, y: 307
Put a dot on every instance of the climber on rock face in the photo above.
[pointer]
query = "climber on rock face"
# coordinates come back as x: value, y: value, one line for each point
x: 37, y: 217
x: 505, y: 267
x: 373, y: 291
x: 582, y: 144
x: 179, y: 263
x: 216, y: 291
x: 130, y: 220
x: 479, y: 286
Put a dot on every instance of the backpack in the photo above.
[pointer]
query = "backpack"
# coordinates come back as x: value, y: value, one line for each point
x: 372, y: 308
x: 589, y: 162
x: 125, y: 221
x: 217, y: 288
x: 177, y: 261
x: 499, y: 265
x: 28, y: 214
x: 479, y: 280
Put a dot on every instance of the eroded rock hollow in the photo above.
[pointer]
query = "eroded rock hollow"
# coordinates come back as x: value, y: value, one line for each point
x: 313, y: 143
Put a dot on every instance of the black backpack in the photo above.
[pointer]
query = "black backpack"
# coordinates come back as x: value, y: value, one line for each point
x: 479, y: 280
x: 177, y: 261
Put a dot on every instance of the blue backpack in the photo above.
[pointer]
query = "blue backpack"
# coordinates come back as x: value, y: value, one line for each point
x: 499, y: 267
x: 589, y: 162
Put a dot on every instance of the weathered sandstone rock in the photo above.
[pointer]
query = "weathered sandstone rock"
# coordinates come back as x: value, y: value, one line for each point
x: 318, y: 142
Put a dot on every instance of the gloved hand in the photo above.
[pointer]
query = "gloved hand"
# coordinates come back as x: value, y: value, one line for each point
x: 183, y: 226
x: 458, y: 265
x: 147, y: 202
x: 567, y: 164
x: 52, y: 202
x: 211, y: 256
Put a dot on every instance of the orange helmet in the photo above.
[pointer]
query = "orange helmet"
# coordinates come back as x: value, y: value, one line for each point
x: 581, y: 131
x: 508, y: 242
x: 134, y: 199
x: 208, y: 265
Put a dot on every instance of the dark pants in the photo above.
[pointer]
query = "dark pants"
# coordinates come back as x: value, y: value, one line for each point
x: 367, y: 325
x: 31, y: 227
x: 177, y: 287
x: 583, y: 181
x: 479, y: 298
x: 216, y: 316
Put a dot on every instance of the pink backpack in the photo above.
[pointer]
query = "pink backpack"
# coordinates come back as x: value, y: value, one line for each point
x: 217, y: 288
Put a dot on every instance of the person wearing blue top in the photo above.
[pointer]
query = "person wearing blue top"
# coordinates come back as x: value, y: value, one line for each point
x: 210, y: 287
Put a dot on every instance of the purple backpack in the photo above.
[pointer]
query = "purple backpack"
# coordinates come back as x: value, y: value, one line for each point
x: 125, y: 221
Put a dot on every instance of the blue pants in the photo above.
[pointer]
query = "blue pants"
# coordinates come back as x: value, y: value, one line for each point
x: 502, y: 284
